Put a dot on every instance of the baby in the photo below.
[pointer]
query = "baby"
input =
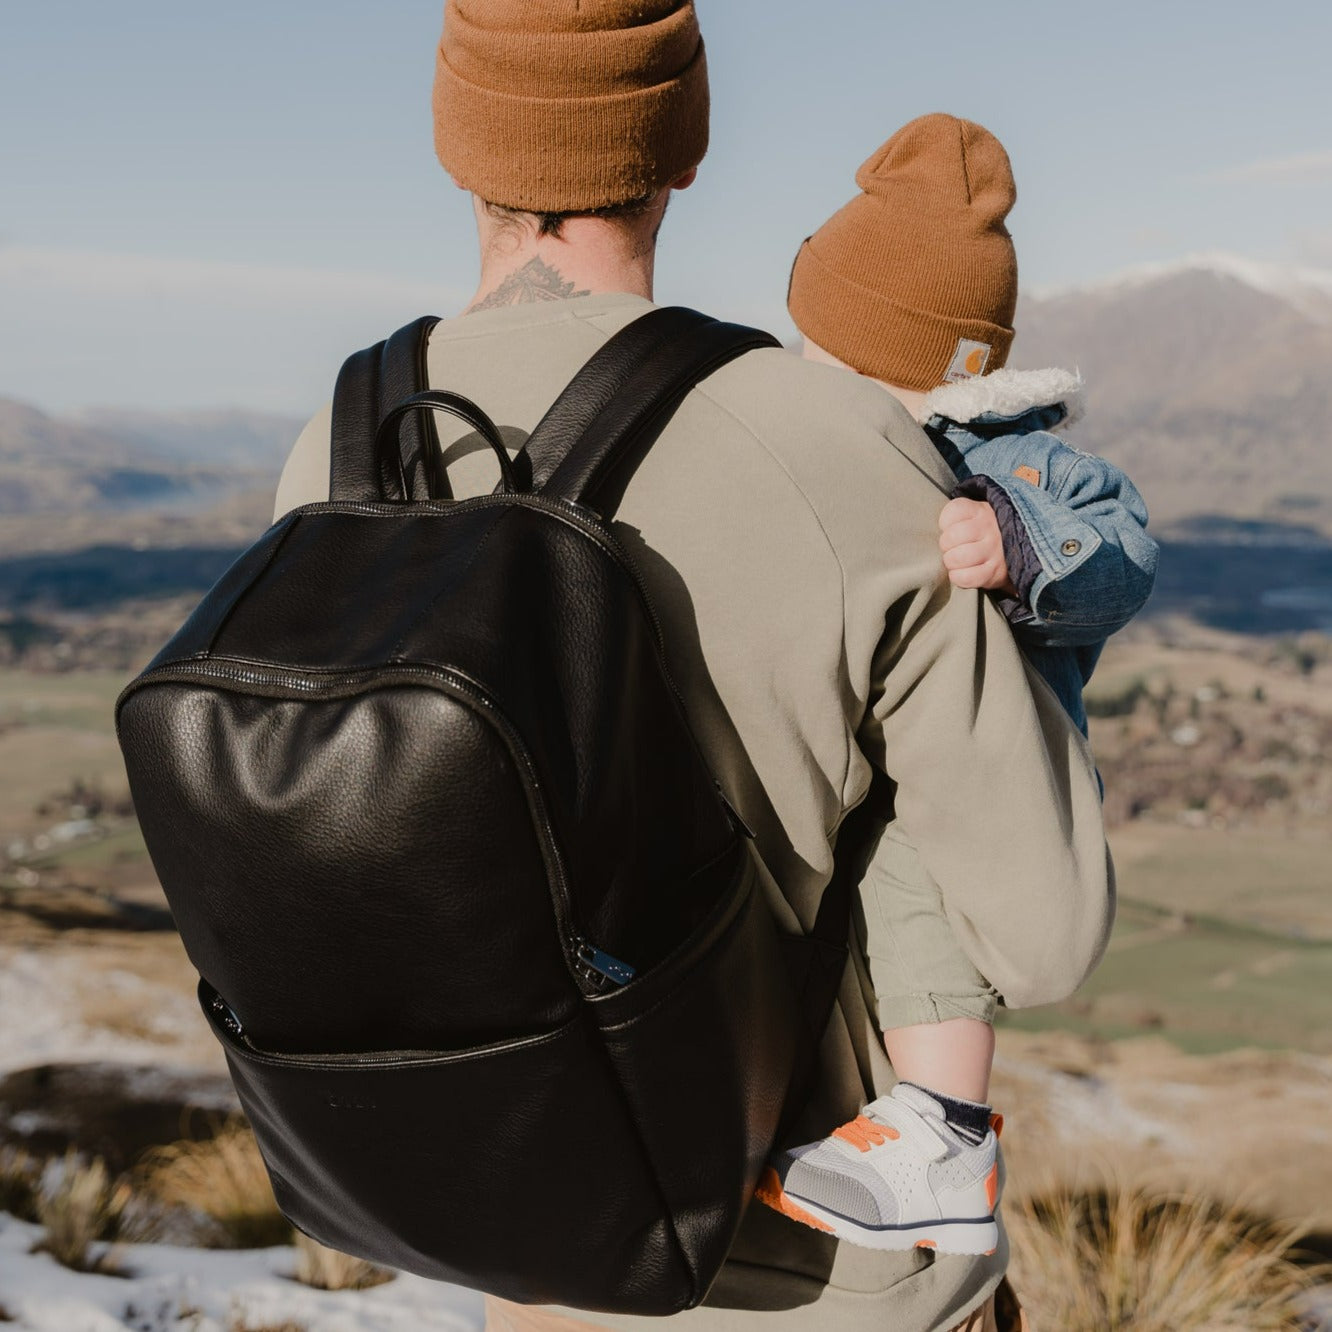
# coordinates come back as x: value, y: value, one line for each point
x: 914, y: 284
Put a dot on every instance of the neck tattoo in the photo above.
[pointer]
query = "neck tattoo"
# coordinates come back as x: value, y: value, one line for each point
x: 536, y: 280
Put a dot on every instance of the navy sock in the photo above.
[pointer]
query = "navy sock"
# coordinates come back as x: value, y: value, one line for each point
x: 968, y: 1119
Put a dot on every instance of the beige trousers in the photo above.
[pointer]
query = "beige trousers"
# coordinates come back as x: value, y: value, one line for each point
x: 1000, y: 1314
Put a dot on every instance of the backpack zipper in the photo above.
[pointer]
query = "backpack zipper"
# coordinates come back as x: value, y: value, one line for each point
x: 599, y: 967
x: 226, y: 1018
x: 593, y: 526
x: 587, y: 520
x: 581, y: 956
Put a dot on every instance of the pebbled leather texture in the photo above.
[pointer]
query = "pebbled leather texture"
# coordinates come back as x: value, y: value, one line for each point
x: 397, y: 770
x: 370, y: 383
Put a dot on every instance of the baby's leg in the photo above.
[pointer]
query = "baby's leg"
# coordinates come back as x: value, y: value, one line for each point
x: 953, y: 1057
x: 934, y: 1008
x: 917, y: 1168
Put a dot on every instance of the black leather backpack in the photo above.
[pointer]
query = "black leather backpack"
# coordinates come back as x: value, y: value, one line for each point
x: 481, y: 937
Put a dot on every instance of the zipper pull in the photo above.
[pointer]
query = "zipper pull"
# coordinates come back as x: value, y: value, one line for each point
x: 732, y: 813
x: 599, y: 968
x: 226, y: 1017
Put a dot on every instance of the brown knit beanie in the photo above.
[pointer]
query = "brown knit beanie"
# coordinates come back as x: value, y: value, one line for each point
x: 915, y: 280
x: 563, y: 106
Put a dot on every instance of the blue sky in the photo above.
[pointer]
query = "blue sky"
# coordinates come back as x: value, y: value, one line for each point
x: 207, y: 204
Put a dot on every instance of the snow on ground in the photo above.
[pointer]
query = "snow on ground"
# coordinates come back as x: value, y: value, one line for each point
x: 52, y: 1000
x: 1318, y: 1309
x: 1072, y: 1103
x: 209, y: 1290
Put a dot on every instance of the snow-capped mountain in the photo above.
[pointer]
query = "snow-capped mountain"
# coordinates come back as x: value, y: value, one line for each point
x: 1209, y: 379
x: 1309, y: 290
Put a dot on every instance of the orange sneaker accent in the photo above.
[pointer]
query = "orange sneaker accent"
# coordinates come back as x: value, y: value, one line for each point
x: 997, y: 1124
x: 992, y: 1185
x: 770, y: 1191
x: 862, y: 1133
x: 926, y: 1244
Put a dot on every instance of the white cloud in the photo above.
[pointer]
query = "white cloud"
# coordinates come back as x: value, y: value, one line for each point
x: 84, y: 326
x: 1299, y: 169
x: 98, y: 275
x: 1313, y: 247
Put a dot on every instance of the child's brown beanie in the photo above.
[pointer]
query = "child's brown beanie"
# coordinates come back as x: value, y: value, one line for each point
x: 915, y: 280
x: 569, y: 105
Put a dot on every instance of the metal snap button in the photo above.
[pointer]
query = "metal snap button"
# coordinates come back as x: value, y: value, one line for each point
x: 1071, y: 547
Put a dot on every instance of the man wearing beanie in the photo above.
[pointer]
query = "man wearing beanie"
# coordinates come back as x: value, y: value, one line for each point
x: 784, y: 522
x: 913, y: 284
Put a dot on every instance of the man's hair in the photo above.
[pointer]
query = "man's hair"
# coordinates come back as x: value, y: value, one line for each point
x: 552, y: 224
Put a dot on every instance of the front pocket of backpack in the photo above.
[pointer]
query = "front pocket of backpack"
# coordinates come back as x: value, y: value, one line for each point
x: 703, y: 1046
x: 469, y: 1166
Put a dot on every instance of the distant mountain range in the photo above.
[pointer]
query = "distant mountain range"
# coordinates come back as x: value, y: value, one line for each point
x: 209, y: 438
x: 116, y: 460
x: 1209, y: 380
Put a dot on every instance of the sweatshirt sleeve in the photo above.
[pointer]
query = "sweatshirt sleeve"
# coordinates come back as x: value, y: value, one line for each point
x: 304, y: 477
x: 996, y: 790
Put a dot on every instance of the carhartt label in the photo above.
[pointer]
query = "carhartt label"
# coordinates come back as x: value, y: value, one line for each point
x: 1025, y: 473
x: 968, y: 361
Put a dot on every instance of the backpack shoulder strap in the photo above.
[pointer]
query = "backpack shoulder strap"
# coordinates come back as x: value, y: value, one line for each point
x: 369, y: 384
x: 626, y: 393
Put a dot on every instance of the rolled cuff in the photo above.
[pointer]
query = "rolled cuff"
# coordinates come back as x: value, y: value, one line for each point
x: 914, y: 1010
x: 572, y: 154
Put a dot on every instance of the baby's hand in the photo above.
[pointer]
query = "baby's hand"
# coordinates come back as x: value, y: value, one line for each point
x: 973, y: 550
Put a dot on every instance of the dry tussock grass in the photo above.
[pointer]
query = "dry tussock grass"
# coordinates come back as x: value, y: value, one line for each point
x: 84, y: 1206
x: 238, y: 1322
x: 222, y: 1179
x: 20, y: 1181
x: 327, y: 1269
x: 1132, y: 1260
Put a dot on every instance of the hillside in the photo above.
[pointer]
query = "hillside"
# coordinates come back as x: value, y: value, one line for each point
x: 112, y: 462
x: 1207, y: 380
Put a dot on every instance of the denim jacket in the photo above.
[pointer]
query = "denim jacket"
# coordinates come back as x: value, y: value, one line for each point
x: 1074, y: 526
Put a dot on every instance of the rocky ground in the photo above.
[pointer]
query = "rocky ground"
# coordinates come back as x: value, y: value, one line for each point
x: 1247, y: 1126
x: 1215, y: 730
x: 1219, y: 793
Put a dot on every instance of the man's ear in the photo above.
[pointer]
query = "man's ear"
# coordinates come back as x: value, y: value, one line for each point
x: 685, y: 181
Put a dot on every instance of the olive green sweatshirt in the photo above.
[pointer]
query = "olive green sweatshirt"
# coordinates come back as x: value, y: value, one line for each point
x: 785, y: 523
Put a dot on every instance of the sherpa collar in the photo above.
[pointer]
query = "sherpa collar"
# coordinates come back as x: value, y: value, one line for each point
x: 1006, y: 394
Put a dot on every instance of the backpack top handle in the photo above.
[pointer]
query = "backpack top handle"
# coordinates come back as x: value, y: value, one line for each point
x: 614, y: 404
x: 388, y: 445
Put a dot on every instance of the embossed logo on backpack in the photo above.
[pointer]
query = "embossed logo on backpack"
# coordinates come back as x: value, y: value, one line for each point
x: 336, y: 1102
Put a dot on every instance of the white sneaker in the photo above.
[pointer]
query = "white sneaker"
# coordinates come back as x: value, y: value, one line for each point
x: 896, y: 1177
